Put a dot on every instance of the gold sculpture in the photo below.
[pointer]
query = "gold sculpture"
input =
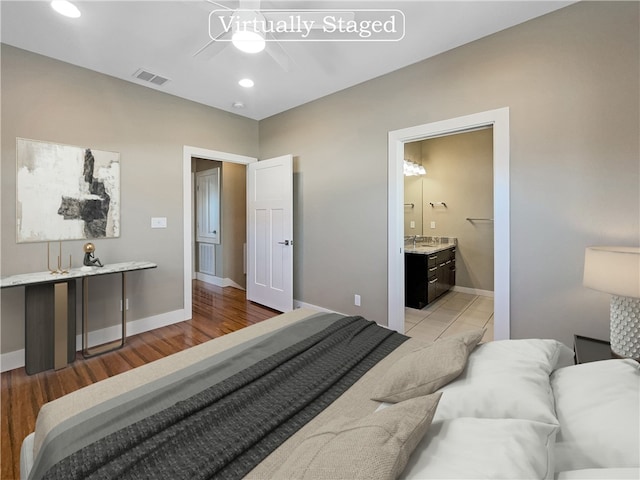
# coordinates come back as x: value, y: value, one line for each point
x: 59, y: 270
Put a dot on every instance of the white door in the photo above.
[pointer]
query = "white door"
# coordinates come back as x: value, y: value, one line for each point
x: 208, y: 206
x: 270, y: 233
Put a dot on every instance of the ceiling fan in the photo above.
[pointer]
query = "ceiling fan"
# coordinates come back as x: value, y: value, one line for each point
x: 225, y: 37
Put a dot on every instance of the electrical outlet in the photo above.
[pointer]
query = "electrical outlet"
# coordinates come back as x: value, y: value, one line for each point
x: 412, y: 224
x: 433, y: 224
x: 356, y: 300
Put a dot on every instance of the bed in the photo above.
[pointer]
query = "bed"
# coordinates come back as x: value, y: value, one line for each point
x: 365, y: 402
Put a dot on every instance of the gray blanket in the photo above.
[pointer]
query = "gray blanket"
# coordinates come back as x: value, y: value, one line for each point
x: 227, y: 428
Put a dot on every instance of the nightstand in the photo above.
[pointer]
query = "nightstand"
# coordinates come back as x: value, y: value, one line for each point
x: 591, y: 349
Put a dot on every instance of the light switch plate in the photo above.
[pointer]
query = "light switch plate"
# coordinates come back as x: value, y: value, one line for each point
x: 158, y: 222
x: 433, y: 224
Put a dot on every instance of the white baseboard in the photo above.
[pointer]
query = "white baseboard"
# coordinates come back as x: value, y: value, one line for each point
x: 11, y: 360
x: 16, y: 359
x: 473, y: 291
x: 218, y: 281
x: 298, y: 304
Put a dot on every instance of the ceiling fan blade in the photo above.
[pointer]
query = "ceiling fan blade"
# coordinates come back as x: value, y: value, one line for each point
x: 213, y: 47
x: 253, y: 5
x: 216, y: 4
x: 279, y: 54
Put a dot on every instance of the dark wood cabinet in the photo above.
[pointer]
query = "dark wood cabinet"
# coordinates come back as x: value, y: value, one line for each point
x: 446, y: 261
x: 427, y: 276
x: 415, y: 280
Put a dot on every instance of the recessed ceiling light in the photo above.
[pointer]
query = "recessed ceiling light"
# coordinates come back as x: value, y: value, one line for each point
x: 246, y: 41
x: 63, y: 7
x: 246, y: 83
x: 238, y: 105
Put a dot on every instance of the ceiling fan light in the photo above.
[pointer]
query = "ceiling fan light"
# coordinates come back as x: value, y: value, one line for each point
x: 249, y: 42
x: 63, y: 7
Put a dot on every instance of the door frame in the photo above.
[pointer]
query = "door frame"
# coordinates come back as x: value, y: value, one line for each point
x: 499, y: 120
x: 187, y: 200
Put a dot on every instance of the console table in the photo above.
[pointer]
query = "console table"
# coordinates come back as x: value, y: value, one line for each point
x: 50, y: 313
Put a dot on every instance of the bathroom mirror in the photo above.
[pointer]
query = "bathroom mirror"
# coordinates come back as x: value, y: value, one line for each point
x: 413, y: 202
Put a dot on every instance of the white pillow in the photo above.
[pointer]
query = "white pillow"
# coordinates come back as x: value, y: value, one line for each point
x: 466, y: 448
x: 505, y: 379
x: 598, y: 406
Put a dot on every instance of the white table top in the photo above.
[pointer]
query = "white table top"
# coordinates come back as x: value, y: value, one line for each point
x: 48, y: 277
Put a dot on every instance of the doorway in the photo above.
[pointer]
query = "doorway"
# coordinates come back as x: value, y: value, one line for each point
x: 499, y: 120
x: 188, y: 153
x: 448, y: 203
x: 219, y: 222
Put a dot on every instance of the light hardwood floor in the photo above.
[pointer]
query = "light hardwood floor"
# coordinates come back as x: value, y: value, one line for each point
x: 216, y: 311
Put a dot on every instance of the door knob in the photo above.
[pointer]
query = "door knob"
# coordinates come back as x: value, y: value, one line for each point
x: 286, y: 242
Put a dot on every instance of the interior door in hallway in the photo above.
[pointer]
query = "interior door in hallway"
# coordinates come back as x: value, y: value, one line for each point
x: 270, y: 233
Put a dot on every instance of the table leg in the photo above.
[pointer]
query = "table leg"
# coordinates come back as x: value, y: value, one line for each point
x: 50, y: 326
x: 61, y: 314
x: 109, y: 346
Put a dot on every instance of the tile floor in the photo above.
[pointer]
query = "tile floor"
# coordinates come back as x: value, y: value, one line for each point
x: 452, y: 313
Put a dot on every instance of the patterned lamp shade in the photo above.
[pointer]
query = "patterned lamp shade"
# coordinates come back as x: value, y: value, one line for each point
x: 616, y: 270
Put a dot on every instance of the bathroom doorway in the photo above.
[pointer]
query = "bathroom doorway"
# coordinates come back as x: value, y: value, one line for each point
x: 499, y: 121
x: 448, y: 203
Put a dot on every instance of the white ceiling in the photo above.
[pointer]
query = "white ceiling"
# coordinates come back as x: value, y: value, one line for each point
x: 119, y: 37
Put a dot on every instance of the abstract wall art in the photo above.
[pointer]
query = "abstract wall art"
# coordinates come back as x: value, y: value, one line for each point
x: 66, y: 192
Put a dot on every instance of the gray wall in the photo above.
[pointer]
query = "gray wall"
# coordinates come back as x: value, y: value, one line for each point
x: 44, y: 99
x: 571, y: 82
x: 570, y: 79
x: 234, y: 221
x: 460, y: 174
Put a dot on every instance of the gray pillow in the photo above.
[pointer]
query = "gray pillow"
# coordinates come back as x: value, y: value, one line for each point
x: 377, y: 446
x: 427, y: 369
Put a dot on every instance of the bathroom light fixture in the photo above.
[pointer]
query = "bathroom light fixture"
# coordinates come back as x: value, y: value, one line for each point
x: 616, y: 270
x: 66, y: 8
x: 246, y: 83
x: 413, y: 169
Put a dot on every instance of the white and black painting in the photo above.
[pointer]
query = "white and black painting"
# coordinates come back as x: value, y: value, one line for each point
x: 66, y: 192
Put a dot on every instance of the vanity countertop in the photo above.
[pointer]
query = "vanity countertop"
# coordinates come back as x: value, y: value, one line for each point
x: 428, y: 248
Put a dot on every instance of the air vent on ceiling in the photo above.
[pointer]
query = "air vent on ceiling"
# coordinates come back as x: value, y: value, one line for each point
x: 147, y: 76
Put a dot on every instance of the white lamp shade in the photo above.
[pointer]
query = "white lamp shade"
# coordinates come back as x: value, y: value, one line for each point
x: 615, y: 270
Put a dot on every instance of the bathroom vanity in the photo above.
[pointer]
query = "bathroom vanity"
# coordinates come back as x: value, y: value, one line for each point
x: 429, y: 272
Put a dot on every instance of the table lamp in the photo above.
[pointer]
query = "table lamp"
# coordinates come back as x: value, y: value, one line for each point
x: 616, y: 270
